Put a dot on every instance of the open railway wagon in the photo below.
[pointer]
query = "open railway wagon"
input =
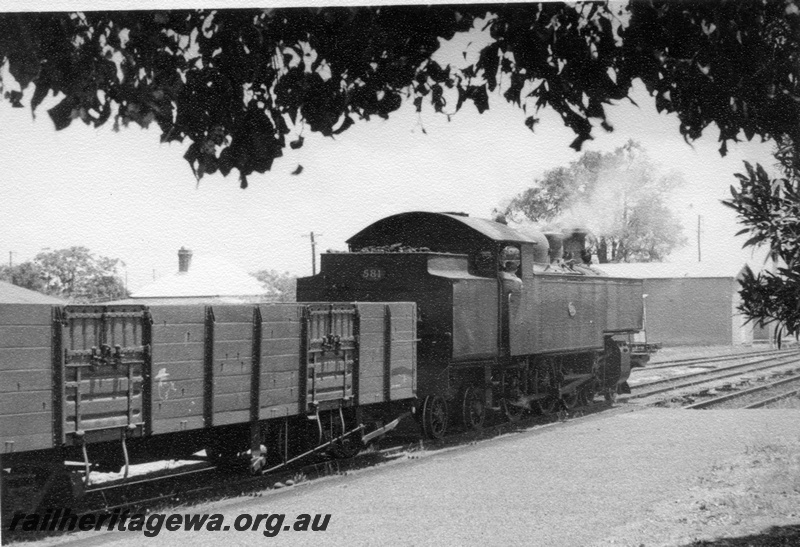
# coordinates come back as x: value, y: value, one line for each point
x: 93, y: 388
x: 509, y: 320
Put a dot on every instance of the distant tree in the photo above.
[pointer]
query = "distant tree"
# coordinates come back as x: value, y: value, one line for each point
x: 769, y: 207
x: 619, y: 196
x: 77, y: 275
x: 25, y: 274
x: 283, y: 284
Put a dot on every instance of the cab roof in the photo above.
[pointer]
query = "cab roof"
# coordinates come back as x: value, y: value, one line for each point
x: 440, y: 232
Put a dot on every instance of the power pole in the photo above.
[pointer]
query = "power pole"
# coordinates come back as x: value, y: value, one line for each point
x: 699, y: 219
x: 313, y: 252
x: 10, y: 259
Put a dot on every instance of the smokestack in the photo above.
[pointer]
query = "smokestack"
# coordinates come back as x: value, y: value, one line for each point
x: 556, y: 242
x: 184, y: 260
x: 575, y: 245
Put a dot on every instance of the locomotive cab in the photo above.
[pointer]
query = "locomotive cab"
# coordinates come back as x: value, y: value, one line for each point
x: 456, y: 268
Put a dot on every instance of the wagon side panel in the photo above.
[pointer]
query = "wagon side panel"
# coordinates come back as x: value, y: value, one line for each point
x: 26, y: 377
x: 232, y: 363
x: 177, y: 381
x: 282, y: 360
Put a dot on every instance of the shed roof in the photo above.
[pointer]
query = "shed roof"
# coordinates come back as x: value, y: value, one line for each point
x: 12, y: 294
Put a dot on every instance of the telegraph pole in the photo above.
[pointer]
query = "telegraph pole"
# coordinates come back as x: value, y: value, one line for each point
x: 699, y: 219
x: 313, y: 252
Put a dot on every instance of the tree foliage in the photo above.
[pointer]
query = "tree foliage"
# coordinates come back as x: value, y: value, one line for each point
x: 74, y: 274
x: 24, y: 275
x: 620, y: 196
x: 283, y: 284
x: 237, y: 83
x: 770, y: 209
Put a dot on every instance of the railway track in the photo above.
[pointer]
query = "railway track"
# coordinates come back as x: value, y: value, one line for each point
x: 755, y: 397
x: 678, y: 383
x: 713, y: 359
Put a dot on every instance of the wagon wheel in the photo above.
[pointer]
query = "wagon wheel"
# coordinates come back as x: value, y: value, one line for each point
x: 589, y: 391
x: 222, y: 452
x: 473, y: 408
x: 434, y: 417
x: 33, y: 489
x: 61, y: 491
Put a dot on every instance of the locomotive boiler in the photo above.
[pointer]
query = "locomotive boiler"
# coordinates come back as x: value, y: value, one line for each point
x: 511, y: 320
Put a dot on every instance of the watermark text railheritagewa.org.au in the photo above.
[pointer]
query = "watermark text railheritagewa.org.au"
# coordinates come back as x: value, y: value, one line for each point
x: 269, y: 524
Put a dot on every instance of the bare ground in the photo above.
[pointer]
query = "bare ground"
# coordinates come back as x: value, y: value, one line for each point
x: 646, y: 477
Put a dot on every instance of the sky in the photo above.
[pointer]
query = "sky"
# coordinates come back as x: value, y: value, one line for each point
x: 125, y: 195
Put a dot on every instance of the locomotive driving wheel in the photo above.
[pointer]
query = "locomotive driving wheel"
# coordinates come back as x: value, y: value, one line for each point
x: 473, y: 408
x: 542, y: 379
x: 511, y: 389
x: 589, y: 391
x: 545, y: 406
x: 570, y: 399
x: 434, y: 417
x: 512, y: 412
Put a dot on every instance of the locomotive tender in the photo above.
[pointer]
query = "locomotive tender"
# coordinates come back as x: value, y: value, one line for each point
x: 504, y: 321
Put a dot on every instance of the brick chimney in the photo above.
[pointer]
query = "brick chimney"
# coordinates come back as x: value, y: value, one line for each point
x: 184, y: 259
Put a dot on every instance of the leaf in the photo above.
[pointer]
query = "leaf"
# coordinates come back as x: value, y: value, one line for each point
x: 347, y: 121
x: 61, y: 114
x: 297, y: 170
x: 489, y: 61
x: 480, y: 98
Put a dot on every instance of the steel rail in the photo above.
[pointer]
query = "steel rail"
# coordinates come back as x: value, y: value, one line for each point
x: 702, y: 373
x: 765, y: 402
x: 147, y: 480
x: 740, y: 394
x: 713, y: 359
x: 676, y: 383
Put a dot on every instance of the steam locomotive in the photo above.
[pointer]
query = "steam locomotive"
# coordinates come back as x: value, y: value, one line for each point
x: 511, y: 320
x: 439, y: 315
